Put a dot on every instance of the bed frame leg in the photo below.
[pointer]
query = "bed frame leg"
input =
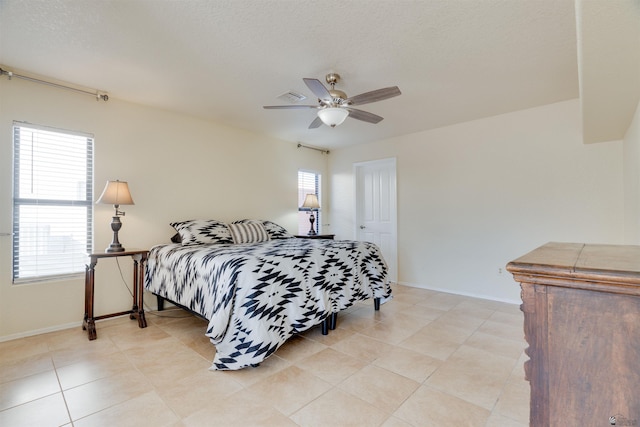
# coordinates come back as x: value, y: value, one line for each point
x: 333, y: 320
x: 325, y: 326
x: 160, y: 302
x: 376, y: 304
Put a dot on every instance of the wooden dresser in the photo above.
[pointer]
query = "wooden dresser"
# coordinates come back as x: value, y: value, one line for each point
x: 581, y: 305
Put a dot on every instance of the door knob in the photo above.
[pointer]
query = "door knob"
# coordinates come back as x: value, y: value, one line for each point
x: 362, y: 227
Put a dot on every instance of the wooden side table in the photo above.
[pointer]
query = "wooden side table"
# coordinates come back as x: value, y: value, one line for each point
x: 139, y: 257
x: 315, y: 236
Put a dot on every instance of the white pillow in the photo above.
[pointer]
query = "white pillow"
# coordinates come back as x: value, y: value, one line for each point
x: 250, y: 232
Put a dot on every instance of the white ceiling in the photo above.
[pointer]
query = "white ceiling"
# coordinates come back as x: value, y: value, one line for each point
x: 453, y: 60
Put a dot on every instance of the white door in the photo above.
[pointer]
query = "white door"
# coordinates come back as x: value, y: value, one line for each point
x: 376, y: 208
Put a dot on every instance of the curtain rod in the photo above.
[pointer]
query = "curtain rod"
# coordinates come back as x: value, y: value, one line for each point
x: 97, y: 94
x: 322, y: 150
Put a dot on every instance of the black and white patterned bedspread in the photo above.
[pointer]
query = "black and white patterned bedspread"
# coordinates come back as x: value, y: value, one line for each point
x: 256, y: 296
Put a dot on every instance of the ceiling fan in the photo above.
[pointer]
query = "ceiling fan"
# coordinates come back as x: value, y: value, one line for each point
x: 334, y: 106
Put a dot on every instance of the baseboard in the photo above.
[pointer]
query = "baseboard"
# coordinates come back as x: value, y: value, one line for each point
x: 466, y: 294
x: 41, y: 331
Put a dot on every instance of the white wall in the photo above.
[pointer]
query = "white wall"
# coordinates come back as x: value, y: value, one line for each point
x: 178, y: 168
x: 474, y: 196
x: 632, y: 181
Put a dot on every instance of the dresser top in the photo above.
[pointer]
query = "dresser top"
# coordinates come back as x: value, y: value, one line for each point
x: 559, y: 262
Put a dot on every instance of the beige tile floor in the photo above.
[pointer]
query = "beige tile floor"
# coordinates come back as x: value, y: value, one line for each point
x: 425, y: 359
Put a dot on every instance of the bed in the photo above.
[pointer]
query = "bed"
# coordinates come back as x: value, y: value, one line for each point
x: 257, y: 285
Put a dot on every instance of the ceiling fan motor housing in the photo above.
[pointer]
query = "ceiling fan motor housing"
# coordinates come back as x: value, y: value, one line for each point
x: 337, y: 96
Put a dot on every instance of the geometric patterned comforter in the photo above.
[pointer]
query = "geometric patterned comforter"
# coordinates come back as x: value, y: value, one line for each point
x: 257, y: 295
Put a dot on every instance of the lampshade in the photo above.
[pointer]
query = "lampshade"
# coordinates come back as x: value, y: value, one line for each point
x: 333, y: 116
x: 311, y: 202
x: 116, y: 193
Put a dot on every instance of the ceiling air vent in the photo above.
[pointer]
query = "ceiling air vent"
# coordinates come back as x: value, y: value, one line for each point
x: 292, y: 97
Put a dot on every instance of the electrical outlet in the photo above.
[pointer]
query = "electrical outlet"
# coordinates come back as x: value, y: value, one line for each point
x: 499, y: 270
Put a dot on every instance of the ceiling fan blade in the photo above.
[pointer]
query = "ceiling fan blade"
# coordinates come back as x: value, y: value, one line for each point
x: 288, y: 107
x: 316, y: 123
x: 318, y: 89
x: 364, y: 116
x: 374, y: 96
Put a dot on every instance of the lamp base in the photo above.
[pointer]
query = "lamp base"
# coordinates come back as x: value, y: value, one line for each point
x: 312, y: 219
x: 115, y: 245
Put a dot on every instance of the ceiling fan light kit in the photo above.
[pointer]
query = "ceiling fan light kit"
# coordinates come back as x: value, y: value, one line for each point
x: 334, y: 106
x: 333, y: 116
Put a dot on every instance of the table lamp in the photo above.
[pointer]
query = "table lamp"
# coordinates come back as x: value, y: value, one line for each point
x: 311, y: 203
x: 116, y: 193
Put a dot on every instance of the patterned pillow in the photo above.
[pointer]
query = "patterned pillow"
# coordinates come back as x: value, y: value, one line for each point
x: 248, y: 232
x: 274, y: 230
x: 202, y: 231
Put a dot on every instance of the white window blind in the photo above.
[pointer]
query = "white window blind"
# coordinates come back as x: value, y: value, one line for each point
x: 308, y: 183
x: 52, y: 202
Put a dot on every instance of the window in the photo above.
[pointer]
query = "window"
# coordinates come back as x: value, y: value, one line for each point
x: 52, y: 202
x: 308, y: 183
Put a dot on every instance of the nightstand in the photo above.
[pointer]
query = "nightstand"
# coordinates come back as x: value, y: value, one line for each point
x: 315, y: 236
x: 139, y: 257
